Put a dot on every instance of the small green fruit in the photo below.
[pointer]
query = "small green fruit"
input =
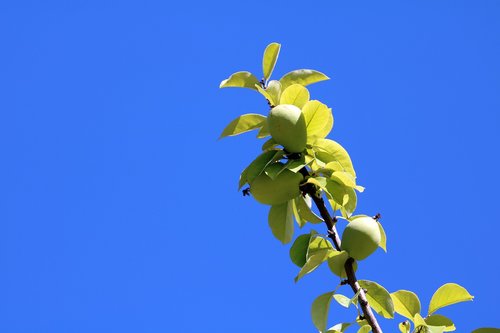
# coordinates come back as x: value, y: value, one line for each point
x: 361, y: 237
x: 287, y: 126
x: 274, y: 192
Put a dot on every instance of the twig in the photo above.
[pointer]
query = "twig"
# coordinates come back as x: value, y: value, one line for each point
x: 333, y: 235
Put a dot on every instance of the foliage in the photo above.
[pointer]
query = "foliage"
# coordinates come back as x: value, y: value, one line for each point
x: 328, y: 172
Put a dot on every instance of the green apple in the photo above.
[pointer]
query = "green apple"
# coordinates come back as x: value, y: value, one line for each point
x: 288, y: 128
x: 361, y: 237
x: 278, y: 190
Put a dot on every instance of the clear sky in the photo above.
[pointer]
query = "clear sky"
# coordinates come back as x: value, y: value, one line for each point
x: 118, y: 206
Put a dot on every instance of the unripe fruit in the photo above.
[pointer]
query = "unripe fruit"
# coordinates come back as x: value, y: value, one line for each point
x: 274, y: 192
x: 287, y: 126
x: 361, y: 237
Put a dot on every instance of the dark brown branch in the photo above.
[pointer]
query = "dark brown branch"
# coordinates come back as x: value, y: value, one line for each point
x: 333, y: 235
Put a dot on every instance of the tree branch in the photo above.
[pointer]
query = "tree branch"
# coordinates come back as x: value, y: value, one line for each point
x: 351, y: 276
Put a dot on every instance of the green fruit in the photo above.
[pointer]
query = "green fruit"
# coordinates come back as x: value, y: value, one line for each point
x: 287, y: 126
x: 298, y: 251
x: 278, y: 190
x: 361, y: 237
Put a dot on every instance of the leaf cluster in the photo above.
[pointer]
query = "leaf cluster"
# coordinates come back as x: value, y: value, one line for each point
x: 328, y: 172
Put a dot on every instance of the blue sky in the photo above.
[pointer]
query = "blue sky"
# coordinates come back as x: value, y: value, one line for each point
x: 118, y: 206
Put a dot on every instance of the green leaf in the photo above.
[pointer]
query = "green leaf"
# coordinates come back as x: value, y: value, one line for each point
x: 274, y: 90
x: 406, y: 303
x: 244, y: 123
x: 300, y: 221
x: 298, y: 251
x: 319, y: 310
x: 344, y: 178
x: 487, y: 330
x: 259, y: 165
x: 295, y: 165
x: 304, y: 210
x: 335, y: 152
x: 365, y: 329
x: 273, y: 172
x: 429, y: 329
x: 342, y: 300
x: 264, y: 131
x: 404, y: 327
x: 318, y: 244
x: 303, y: 77
x: 269, y: 60
x: 339, y: 327
x: 240, y: 80
x: 448, y: 294
x: 439, y: 320
x: 336, y: 263
x: 269, y: 144
x: 319, y: 119
x: 321, y: 182
x: 379, y: 298
x: 296, y: 95
x: 281, y: 221
x: 265, y: 93
x: 383, y: 238
x: 418, y: 320
x: 343, y: 198
x: 361, y: 322
x: 313, y: 262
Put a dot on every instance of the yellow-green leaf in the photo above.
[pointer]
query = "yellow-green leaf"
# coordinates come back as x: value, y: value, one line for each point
x: 321, y: 182
x: 303, y: 77
x: 336, y: 263
x: 342, y: 197
x: 313, y: 262
x: 300, y: 221
x: 295, y: 94
x: 406, y: 303
x: 365, y: 329
x: 281, y: 221
x: 264, y: 131
x: 344, y: 178
x: 319, y: 310
x: 265, y: 93
x: 269, y: 60
x: 448, y: 294
x: 335, y: 152
x: 338, y: 328
x: 259, y: 165
x: 379, y: 298
x: 240, y: 80
x: 269, y: 144
x: 304, y: 210
x: 440, y: 320
x: 418, y: 320
x: 317, y: 244
x: 319, y: 119
x: 274, y: 90
x: 244, y: 123
x: 487, y: 330
x: 298, y: 251
x: 342, y: 300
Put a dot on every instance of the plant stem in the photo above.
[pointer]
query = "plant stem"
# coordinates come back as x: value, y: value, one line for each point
x: 351, y: 276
